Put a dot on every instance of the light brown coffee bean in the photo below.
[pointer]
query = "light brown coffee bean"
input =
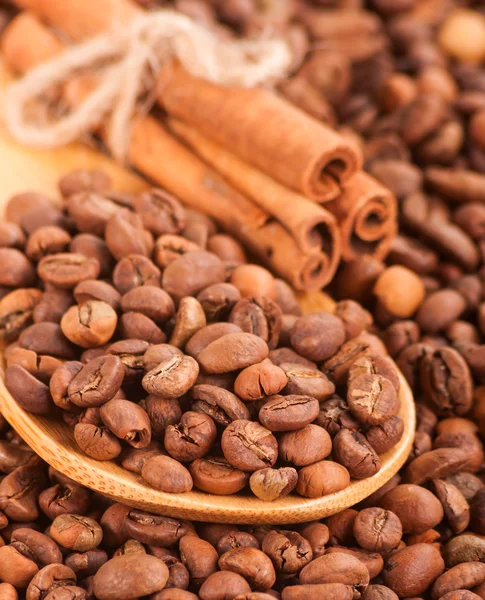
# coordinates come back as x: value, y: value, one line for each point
x: 372, y: 399
x: 270, y: 484
x: 172, y: 378
x: 249, y: 446
x: 351, y: 449
x: 216, y: 476
x: 417, y: 508
x: 76, y: 532
x: 305, y: 446
x: 318, y: 336
x: 322, y: 478
x: 377, y: 529
x: 166, y: 474
x: 337, y: 568
x: 66, y: 270
x: 192, y: 438
x: 232, y: 352
x: 90, y: 325
x: 252, y: 564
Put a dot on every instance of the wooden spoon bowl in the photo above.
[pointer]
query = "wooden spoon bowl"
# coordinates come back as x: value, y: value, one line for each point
x: 54, y: 441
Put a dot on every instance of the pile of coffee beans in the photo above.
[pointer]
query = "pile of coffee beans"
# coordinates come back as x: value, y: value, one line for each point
x: 150, y: 335
x: 413, y: 97
x: 61, y: 541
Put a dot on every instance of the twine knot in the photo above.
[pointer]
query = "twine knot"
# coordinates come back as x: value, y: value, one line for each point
x: 122, y: 67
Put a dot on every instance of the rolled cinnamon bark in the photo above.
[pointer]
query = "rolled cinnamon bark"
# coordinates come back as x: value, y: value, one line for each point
x: 367, y: 216
x: 257, y: 125
x: 162, y: 158
x: 312, y: 226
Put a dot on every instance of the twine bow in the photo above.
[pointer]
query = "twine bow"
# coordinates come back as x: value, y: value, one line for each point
x: 125, y: 64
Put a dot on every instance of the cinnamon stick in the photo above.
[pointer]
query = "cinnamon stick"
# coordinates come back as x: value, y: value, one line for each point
x: 257, y: 125
x: 312, y: 226
x: 367, y: 216
x: 162, y: 158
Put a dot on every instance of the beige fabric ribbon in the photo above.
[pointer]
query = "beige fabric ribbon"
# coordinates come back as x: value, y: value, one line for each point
x: 126, y: 63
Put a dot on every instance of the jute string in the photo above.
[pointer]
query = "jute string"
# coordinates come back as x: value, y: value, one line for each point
x: 125, y: 64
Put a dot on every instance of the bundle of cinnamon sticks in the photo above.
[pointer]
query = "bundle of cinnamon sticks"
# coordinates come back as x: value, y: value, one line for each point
x: 291, y: 188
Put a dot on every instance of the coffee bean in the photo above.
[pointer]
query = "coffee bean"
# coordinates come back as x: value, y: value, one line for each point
x: 16, y: 311
x: 151, y: 301
x: 125, y: 235
x: 259, y: 380
x: 337, y: 568
x: 127, y: 421
x: 133, y: 271
x: 232, y: 352
x: 352, y: 450
x: 249, y: 446
x: 287, y: 413
x: 259, y: 316
x: 288, y: 550
x: 216, y: 476
x: 236, y: 539
x: 161, y: 213
x: 456, y: 507
x: 192, y: 438
x: 166, y: 474
x: 66, y: 270
x: 90, y: 325
x: 97, y: 442
x: 221, y: 405
x: 189, y: 320
x: 252, y: 564
x: 129, y: 576
x: 305, y: 446
x: 199, y: 557
x: 30, y: 394
x: 333, y: 591
x: 307, y: 382
x: 372, y: 399
x: 172, y: 378
x: 223, y: 582
x: 416, y: 508
x: 191, y: 273
x: 64, y: 498
x: 318, y: 336
x: 217, y: 300
x: 96, y: 382
x: 270, y: 484
x: 322, y: 478
x: 377, y: 529
x: 137, y: 326
x: 422, y: 560
x: 169, y: 247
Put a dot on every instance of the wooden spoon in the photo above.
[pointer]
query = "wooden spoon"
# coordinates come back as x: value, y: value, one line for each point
x: 54, y: 442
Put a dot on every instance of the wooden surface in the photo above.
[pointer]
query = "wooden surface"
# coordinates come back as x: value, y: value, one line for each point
x: 21, y: 170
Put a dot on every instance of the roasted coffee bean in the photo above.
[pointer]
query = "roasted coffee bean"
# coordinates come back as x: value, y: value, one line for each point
x: 216, y: 475
x: 270, y: 484
x: 16, y: 311
x: 305, y: 446
x: 151, y: 301
x: 416, y: 508
x: 90, y: 325
x: 227, y: 249
x: 204, y: 336
x: 236, y: 539
x: 410, y: 571
x: 384, y: 437
x: 92, y: 289
x: 66, y: 270
x: 76, y: 532
x: 90, y: 211
x: 217, y: 300
x: 288, y: 550
x: 287, y: 413
x: 64, y: 498
x: 446, y: 382
x: 157, y: 353
x: 374, y: 364
x: 46, y: 338
x: 160, y: 212
x: 372, y: 399
x: 249, y: 446
x: 252, y: 564
x: 322, y: 478
x: 47, y: 240
x: 191, y: 273
x: 131, y: 353
x: 84, y: 180
x: 133, y: 271
x: 377, y: 529
x: 172, y: 378
x: 130, y: 576
x: 97, y: 442
x: 259, y: 316
x: 232, y: 352
x: 372, y: 560
x: 337, y: 367
x: 455, y: 506
x: 150, y: 529
x: 166, y: 474
x: 318, y: 336
x: 192, y: 438
x: 199, y: 556
x: 52, y: 305
x: 259, y: 380
x: 221, y: 405
x: 87, y: 563
x: 162, y: 412
x: 189, y: 320
x: 337, y: 568
x: 332, y: 591
x: 30, y: 394
x: 223, y: 583
x: 169, y: 247
x: 135, y: 325
x: 335, y: 414
x: 307, y: 382
x: 37, y: 546
x: 253, y: 280
x: 341, y: 527
x: 351, y: 449
x: 288, y: 355
x: 127, y: 421
x: 16, y: 271
x: 96, y: 382
x: 125, y: 235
